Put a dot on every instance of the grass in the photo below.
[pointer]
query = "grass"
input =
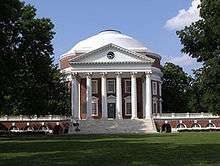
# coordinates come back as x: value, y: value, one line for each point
x: 152, y: 149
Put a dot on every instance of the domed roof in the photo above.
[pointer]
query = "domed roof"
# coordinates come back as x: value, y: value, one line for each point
x: 106, y: 37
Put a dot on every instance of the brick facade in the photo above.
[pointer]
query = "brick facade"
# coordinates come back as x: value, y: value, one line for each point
x: 188, y: 122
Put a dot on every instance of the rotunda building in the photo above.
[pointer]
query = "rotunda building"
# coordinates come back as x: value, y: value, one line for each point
x: 113, y: 77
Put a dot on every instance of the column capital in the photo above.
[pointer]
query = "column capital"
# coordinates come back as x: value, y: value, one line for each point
x: 118, y: 73
x: 148, y: 73
x: 89, y: 75
x: 74, y: 75
x: 133, y: 73
x: 103, y: 74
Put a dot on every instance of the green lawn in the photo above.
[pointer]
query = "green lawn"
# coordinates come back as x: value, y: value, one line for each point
x: 152, y: 149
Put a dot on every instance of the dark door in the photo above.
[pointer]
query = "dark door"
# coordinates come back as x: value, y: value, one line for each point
x: 111, y: 110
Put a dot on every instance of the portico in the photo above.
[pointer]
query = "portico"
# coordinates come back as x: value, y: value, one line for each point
x: 111, y: 99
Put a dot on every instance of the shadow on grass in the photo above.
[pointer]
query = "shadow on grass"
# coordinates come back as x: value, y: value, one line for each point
x: 102, y: 150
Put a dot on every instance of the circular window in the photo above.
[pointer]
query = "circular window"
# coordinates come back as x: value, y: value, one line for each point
x: 110, y: 55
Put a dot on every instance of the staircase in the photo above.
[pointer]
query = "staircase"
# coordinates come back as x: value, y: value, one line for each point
x: 114, y: 126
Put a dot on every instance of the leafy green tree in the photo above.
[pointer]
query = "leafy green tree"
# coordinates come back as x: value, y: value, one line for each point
x: 201, y: 40
x: 29, y: 82
x: 175, y: 88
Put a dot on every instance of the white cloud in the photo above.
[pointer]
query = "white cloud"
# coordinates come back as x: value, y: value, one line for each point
x: 184, y: 17
x: 185, y: 61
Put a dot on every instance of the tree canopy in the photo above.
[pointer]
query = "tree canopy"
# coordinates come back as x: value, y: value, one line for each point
x: 30, y: 83
x: 201, y: 40
x: 176, y: 84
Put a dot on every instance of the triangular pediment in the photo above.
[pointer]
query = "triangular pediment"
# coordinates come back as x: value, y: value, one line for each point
x: 117, y: 55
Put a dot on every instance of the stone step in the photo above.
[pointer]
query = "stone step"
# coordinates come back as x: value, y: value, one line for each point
x: 101, y: 126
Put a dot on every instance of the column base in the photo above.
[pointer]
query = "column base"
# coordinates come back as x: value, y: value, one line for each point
x: 134, y: 117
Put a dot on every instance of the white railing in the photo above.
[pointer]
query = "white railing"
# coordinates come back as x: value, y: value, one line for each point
x: 184, y: 115
x: 33, y: 118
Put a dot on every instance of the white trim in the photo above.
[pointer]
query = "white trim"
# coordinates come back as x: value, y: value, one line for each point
x: 108, y: 86
x: 96, y: 86
x: 113, y: 46
x: 111, y: 99
x: 95, y: 100
x: 125, y: 90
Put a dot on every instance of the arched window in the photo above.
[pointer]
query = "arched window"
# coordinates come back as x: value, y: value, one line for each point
x: 181, y: 125
x: 211, y: 125
x: 196, y: 125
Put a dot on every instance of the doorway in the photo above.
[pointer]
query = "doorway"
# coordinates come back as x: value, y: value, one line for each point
x: 111, y: 110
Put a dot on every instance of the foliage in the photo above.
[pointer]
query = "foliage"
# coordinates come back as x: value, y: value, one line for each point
x: 29, y: 82
x: 201, y: 40
x: 175, y: 89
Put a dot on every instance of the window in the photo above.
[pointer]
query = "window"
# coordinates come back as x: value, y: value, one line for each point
x: 181, y: 125
x: 94, y: 86
x: 127, y: 86
x: 196, y: 125
x: 154, y: 88
x: 110, y: 86
x: 211, y: 125
x: 127, y: 108
x: 155, y: 107
x: 95, y: 106
x: 127, y: 105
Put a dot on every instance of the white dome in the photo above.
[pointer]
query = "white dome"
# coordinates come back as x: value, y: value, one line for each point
x: 106, y: 37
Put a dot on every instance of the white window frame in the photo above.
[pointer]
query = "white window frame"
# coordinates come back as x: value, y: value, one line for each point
x: 154, y: 84
x: 108, y: 86
x: 126, y: 80
x: 95, y: 91
x: 95, y: 100
x: 127, y: 100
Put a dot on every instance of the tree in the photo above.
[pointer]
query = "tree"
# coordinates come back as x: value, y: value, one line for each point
x: 29, y: 81
x: 201, y: 40
x: 175, y: 89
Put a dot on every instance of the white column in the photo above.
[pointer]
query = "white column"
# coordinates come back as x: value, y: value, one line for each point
x: 79, y: 96
x: 133, y: 96
x: 104, y: 96
x: 74, y: 97
x: 148, y: 106
x: 144, y: 96
x: 118, y: 97
x: 88, y: 96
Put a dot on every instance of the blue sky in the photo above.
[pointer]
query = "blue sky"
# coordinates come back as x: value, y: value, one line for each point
x: 154, y: 22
